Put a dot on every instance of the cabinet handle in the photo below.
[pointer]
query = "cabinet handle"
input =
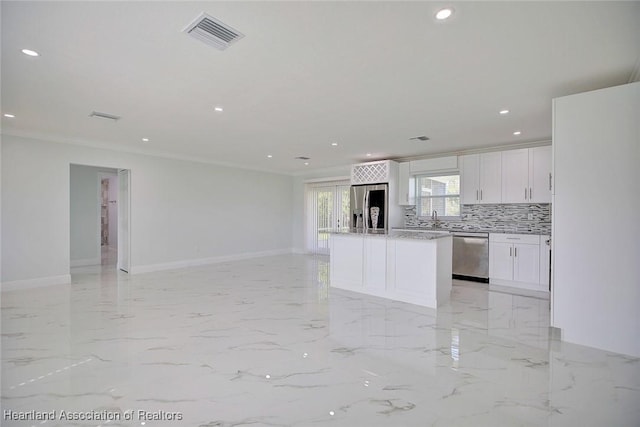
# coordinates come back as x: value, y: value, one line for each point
x: 407, y: 197
x: 530, y: 193
x: 477, y: 195
x: 515, y: 251
x: 480, y: 194
x: 549, y: 181
x: 510, y: 251
x: 525, y: 194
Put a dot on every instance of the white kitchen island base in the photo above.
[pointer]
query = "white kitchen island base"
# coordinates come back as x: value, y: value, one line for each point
x: 413, y: 267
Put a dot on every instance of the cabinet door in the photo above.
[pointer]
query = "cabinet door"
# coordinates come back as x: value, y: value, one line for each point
x: 491, y: 177
x: 469, y: 173
x: 515, y: 176
x: 347, y: 257
x: 526, y: 263
x: 545, y: 261
x: 540, y: 174
x: 406, y: 185
x: 501, y: 261
x: 375, y: 263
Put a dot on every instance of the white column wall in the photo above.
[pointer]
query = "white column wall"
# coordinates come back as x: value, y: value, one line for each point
x: 596, y: 226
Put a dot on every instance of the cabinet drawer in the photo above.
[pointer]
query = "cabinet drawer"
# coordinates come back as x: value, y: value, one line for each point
x: 530, y: 239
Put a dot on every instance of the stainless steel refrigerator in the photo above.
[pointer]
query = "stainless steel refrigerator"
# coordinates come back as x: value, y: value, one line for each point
x: 370, y: 207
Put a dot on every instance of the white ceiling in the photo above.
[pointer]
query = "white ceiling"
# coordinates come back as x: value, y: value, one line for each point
x: 367, y: 75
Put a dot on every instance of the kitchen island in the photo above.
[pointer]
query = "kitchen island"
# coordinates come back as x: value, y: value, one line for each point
x: 408, y: 266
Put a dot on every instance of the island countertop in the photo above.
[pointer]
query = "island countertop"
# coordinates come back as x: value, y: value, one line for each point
x: 396, y: 234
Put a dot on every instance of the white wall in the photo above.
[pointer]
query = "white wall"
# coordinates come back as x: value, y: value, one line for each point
x: 596, y: 218
x: 181, y: 211
x: 84, y: 216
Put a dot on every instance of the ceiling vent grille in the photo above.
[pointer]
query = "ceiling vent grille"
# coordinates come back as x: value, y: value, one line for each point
x: 211, y: 31
x: 104, y: 116
x: 419, y: 138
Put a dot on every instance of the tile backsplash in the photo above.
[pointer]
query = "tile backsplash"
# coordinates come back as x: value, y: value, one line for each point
x: 506, y: 218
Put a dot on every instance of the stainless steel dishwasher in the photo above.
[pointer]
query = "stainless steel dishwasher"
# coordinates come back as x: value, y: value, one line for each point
x: 471, y: 256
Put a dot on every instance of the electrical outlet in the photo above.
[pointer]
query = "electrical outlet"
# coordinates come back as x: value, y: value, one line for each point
x: 530, y: 216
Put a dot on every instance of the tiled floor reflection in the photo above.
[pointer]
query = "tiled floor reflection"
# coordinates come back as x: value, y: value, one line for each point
x: 266, y: 342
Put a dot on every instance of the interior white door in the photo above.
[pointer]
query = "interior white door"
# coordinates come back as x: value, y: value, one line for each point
x: 124, y: 182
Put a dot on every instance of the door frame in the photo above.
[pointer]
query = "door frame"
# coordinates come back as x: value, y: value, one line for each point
x: 104, y: 171
x: 124, y: 213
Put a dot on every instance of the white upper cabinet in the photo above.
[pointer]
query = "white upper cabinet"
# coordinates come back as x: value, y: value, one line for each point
x: 526, y: 175
x: 481, y: 176
x: 540, y: 174
x: 406, y: 185
x: 469, y: 179
x: 381, y: 171
x: 515, y: 176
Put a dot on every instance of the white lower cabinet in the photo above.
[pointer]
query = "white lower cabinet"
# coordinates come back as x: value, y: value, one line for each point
x: 375, y: 273
x: 412, y: 270
x: 514, y: 260
x: 350, y: 262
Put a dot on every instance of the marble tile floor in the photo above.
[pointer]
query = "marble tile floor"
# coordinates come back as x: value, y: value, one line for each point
x: 266, y: 342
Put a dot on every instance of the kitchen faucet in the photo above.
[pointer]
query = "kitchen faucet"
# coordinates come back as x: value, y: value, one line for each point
x: 434, y: 217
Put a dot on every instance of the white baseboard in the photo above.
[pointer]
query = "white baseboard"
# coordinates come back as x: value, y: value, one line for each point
x: 36, y: 283
x: 205, y: 261
x: 85, y: 262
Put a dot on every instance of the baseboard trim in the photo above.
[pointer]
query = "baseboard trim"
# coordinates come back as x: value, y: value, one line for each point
x: 16, y: 285
x: 149, y: 268
x: 85, y: 262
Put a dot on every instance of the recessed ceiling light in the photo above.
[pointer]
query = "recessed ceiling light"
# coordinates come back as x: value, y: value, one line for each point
x: 443, y: 14
x: 517, y: 132
x: 335, y: 144
x: 504, y: 111
x: 10, y: 116
x: 145, y: 139
x: 269, y: 156
x: 30, y: 52
x: 306, y: 163
x: 368, y: 154
x: 218, y: 109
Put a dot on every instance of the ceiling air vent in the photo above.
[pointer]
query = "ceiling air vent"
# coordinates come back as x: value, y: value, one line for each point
x: 104, y: 116
x: 419, y: 138
x: 302, y: 158
x: 209, y: 30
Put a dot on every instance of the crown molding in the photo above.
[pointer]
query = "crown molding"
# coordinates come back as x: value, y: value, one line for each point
x: 132, y: 150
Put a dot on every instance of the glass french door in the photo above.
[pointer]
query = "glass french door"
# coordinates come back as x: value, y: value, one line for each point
x: 327, y: 210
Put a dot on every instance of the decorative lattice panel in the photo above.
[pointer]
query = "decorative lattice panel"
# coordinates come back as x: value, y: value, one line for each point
x: 370, y: 173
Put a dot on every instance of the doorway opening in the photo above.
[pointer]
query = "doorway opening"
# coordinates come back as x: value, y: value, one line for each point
x: 108, y: 218
x: 99, y: 217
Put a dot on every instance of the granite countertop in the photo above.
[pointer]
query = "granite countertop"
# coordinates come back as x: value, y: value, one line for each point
x: 414, y: 234
x: 477, y: 230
